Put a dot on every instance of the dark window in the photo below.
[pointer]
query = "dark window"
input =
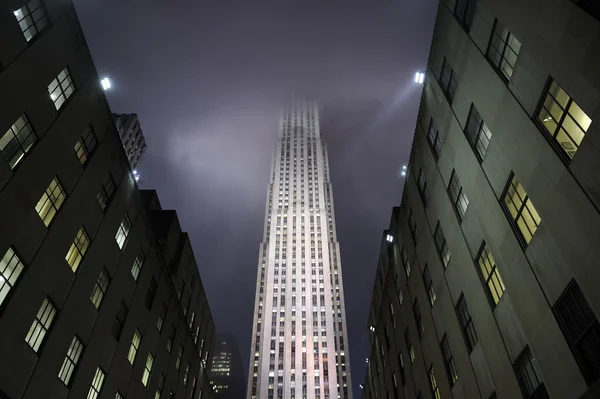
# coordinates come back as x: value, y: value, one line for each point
x: 418, y: 318
x: 529, y: 376
x: 490, y: 275
x: 503, y: 50
x: 449, y: 360
x: 86, y: 146
x: 117, y: 327
x: 423, y: 190
x: 151, y: 293
x: 477, y: 133
x: 459, y: 199
x: 414, y: 231
x: 405, y: 261
x: 106, y: 193
x: 466, y: 323
x: 401, y: 366
x: 580, y: 327
x: 440, y: 243
x: 520, y: 210
x: 428, y: 285
x: 448, y: 81
x: 434, y: 138
x: 409, y: 345
x: 464, y: 10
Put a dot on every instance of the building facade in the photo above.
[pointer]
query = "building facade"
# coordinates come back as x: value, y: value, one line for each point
x: 487, y: 280
x: 227, y: 373
x: 299, y: 346
x: 97, y: 298
x: 132, y: 137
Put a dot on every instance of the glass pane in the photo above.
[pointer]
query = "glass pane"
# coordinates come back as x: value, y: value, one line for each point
x: 581, y: 117
x: 549, y: 123
x: 559, y: 94
x: 573, y: 130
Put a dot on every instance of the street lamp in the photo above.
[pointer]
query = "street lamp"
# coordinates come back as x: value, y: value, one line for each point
x: 420, y: 77
x: 105, y: 84
x: 403, y: 173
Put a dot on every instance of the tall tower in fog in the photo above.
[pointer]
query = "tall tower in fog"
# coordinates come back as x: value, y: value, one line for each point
x: 299, y: 346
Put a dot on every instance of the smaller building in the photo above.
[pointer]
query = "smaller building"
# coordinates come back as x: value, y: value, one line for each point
x: 226, y: 375
x: 132, y: 137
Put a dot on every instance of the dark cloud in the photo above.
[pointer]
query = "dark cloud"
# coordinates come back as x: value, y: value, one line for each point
x: 207, y: 79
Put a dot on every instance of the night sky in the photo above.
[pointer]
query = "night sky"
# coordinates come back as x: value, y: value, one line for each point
x: 207, y: 79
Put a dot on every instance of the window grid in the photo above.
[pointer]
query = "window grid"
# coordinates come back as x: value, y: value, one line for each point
x: 503, y: 50
x: 435, y: 390
x: 85, y: 146
x: 106, y: 193
x: 117, y: 327
x: 423, y: 190
x: 405, y: 261
x: 11, y: 268
x: 147, y: 369
x: 50, y: 202
x: 418, y: 318
x: 32, y: 19
x: 521, y: 211
x: 97, y: 383
x: 478, y: 134
x: 71, y: 359
x: 17, y: 141
x: 459, y: 199
x: 61, y: 88
x: 466, y: 324
x: 123, y: 231
x: 151, y: 293
x: 160, y: 386
x: 100, y: 288
x: 434, y: 138
x: 135, y: 344
x: 464, y: 11
x: 40, y: 326
x: 442, y: 247
x: 529, y: 376
x: 414, y: 231
x: 179, y: 356
x: 78, y: 249
x: 137, y: 264
x: 429, y: 285
x: 449, y: 360
x: 489, y: 273
x: 448, y: 81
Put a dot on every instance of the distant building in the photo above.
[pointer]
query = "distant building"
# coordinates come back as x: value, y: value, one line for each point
x: 132, y: 137
x: 487, y: 282
x: 100, y: 295
x: 227, y: 372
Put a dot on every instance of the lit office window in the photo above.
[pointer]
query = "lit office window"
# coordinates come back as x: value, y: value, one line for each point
x: 32, y: 19
x: 530, y: 377
x: 422, y: 187
x: 97, y: 383
x: 503, y: 50
x: 11, y: 268
x: 123, y: 231
x: 448, y: 81
x: 17, y: 141
x: 466, y: 323
x: 442, y: 247
x: 61, y: 88
x: 520, y: 209
x: 186, y: 374
x: 459, y: 199
x: 137, y: 264
x: 562, y: 119
x: 434, y: 138
x: 100, y: 288
x: 40, y: 326
x: 106, y: 193
x: 435, y: 390
x: 135, y: 344
x: 78, y: 249
x: 477, y: 133
x: 71, y: 360
x: 86, y: 146
x: 147, y: 369
x: 449, y: 360
x: 50, y: 202
x: 429, y: 285
x: 490, y: 274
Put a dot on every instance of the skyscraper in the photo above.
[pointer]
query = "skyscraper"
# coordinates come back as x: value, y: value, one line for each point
x: 299, y: 347
x: 227, y: 373
x: 132, y: 137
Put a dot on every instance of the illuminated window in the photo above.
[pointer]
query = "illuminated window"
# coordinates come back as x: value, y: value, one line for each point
x: 100, y: 288
x: 442, y: 247
x: 123, y: 231
x: 50, y: 202
x: 17, y: 141
x: 422, y: 187
x: 414, y: 231
x: 448, y: 81
x: 520, y: 209
x: 562, y: 119
x: 71, y: 360
x: 61, y: 88
x: 97, y: 383
x: 86, y: 146
x: 147, y: 369
x: 32, y: 19
x: 435, y: 390
x: 409, y: 345
x: 78, y: 249
x: 11, y: 268
x: 466, y: 323
x: 477, y: 133
x: 503, y: 50
x: 186, y: 374
x: 464, y: 10
x: 179, y: 356
x: 160, y: 386
x: 429, y: 285
x: 40, y: 326
x: 135, y: 344
x: 434, y: 138
x: 449, y: 360
x: 489, y: 273
x: 459, y: 199
x: 106, y: 193
x: 529, y: 376
x: 117, y: 327
x: 118, y: 395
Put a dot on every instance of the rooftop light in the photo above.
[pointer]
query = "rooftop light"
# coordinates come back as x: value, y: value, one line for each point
x: 419, y: 77
x: 105, y: 84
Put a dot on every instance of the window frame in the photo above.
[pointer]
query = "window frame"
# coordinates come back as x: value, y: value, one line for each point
x: 418, y: 318
x: 513, y: 221
x: 422, y: 188
x: 49, y: 200
x: 34, y: 22
x: 95, y: 391
x: 134, y: 347
x: 84, y: 148
x: 412, y: 226
x: 448, y: 88
x: 466, y: 323
x: 460, y: 204
x: 62, y: 91
x: 450, y: 365
x: 476, y: 139
x: 75, y: 248
x: 433, y: 385
x: 105, y: 196
x: 24, y: 147
x: 123, y: 231
x: 492, y: 271
x: 519, y: 366
x: 428, y: 282
x: 41, y: 327
x: 98, y: 287
x: 462, y: 19
x: 138, y: 264
x: 502, y: 52
x: 10, y: 280
x: 72, y: 361
x: 443, y: 246
x: 435, y: 143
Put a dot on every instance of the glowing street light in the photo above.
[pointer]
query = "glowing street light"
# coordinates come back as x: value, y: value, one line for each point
x: 105, y: 84
x: 136, y: 175
x: 419, y: 77
x: 389, y: 238
x: 403, y: 173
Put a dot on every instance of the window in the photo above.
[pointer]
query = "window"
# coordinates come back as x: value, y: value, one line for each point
x: 118, y: 395
x: 40, y: 326
x: 423, y: 190
x: 428, y: 285
x: 459, y: 199
x: 414, y: 231
x: 580, y: 327
x: 17, y: 141
x: 161, y: 318
x: 160, y: 386
x: 477, y: 133
x: 151, y: 293
x: 11, y: 268
x: 489, y: 273
x: 519, y: 207
x: 123, y: 231
x: 71, y: 360
x: 464, y: 10
x: 50, y: 202
x: 97, y: 382
x: 106, y: 193
x: 171, y: 339
x: 466, y: 323
x: 100, y: 288
x: 32, y: 19
x: 85, y: 146
x: 562, y: 119
x: 434, y: 138
x: 448, y: 81
x: 449, y: 360
x: 503, y: 50
x: 137, y: 264
x: 135, y: 344
x: 117, y: 327
x: 186, y: 374
x: 435, y: 390
x: 392, y: 314
x: 78, y: 249
x: 405, y: 261
x: 147, y: 369
x: 529, y: 376
x: 61, y: 88
x: 440, y: 243
x: 409, y: 345
x: 179, y: 356
x: 418, y: 318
